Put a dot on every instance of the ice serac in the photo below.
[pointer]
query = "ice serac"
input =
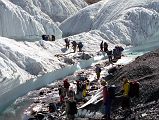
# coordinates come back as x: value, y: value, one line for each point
x: 82, y: 21
x: 57, y: 10
x: 130, y: 22
x: 20, y: 25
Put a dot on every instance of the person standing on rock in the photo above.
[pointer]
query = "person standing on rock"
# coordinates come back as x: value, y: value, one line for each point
x: 71, y: 108
x: 98, y: 71
x: 126, y: 99
x: 80, y: 46
x: 74, y: 46
x: 67, y: 43
x: 109, y: 54
x: 62, y: 93
x: 101, y: 46
x: 105, y: 47
x: 71, y: 93
x: 80, y: 88
x: 66, y: 85
x: 106, y: 100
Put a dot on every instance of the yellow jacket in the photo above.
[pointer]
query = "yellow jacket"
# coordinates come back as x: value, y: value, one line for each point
x: 126, y: 88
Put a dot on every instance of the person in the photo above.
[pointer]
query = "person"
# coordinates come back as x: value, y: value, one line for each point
x: 80, y: 88
x: 77, y: 86
x: 80, y: 46
x: 87, y: 85
x: 52, y: 107
x: 45, y: 37
x: 98, y: 71
x: 62, y: 93
x: 109, y: 53
x: 71, y: 108
x: 74, y: 45
x: 67, y: 42
x: 84, y: 92
x: 53, y: 37
x: 66, y: 85
x: 101, y: 46
x: 117, y: 52
x: 71, y: 93
x: 105, y: 47
x: 106, y: 100
x: 126, y: 100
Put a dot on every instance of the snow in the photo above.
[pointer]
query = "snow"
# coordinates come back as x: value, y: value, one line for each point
x: 130, y: 22
x: 31, y: 65
x: 57, y: 10
x: 82, y: 21
x: 25, y: 66
x: 17, y: 23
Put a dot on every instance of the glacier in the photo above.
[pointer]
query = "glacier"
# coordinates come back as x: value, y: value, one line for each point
x: 130, y: 22
x: 27, y: 62
x: 35, y: 18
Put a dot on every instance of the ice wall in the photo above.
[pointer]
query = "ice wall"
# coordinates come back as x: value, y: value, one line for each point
x: 20, y: 25
x: 130, y: 22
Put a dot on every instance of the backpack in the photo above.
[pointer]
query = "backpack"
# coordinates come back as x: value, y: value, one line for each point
x: 134, y: 89
x: 111, y: 91
x: 109, y: 52
x: 66, y: 84
x: 71, y: 93
x: 72, y: 107
x: 67, y: 41
x: 98, y: 70
x: 74, y: 43
x: 112, y: 70
x: 80, y: 45
x: 52, y: 107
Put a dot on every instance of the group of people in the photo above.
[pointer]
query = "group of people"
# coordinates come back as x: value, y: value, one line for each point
x: 113, y: 55
x: 74, y: 45
x: 48, y: 37
x: 129, y: 90
x: 69, y: 97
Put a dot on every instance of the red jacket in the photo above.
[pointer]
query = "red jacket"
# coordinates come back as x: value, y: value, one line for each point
x: 66, y: 84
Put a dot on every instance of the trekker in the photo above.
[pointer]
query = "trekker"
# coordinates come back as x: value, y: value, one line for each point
x: 80, y: 46
x: 71, y: 108
x: 52, y: 107
x: 53, y: 38
x: 67, y: 43
x: 79, y: 95
x: 105, y: 47
x: 84, y: 92
x: 74, y: 46
x: 101, y: 46
x: 98, y: 71
x: 126, y: 100
x: 117, y: 52
x: 66, y: 85
x: 71, y: 93
x: 109, y: 53
x: 45, y: 37
x: 87, y: 85
x: 106, y: 100
x: 77, y: 85
x: 62, y: 93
